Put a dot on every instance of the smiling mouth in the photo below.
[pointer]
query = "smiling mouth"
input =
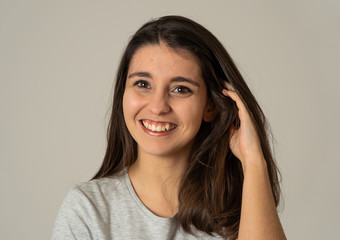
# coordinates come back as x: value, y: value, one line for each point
x: 158, y: 126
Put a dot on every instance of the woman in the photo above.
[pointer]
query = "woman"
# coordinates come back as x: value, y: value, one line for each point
x: 188, y: 154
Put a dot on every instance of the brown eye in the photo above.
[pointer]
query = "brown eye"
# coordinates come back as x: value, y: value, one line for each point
x: 142, y: 84
x: 181, y: 89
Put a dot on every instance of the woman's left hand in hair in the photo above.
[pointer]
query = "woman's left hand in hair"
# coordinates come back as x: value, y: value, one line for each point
x: 259, y: 219
x: 244, y: 142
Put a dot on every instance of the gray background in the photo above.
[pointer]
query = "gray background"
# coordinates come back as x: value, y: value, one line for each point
x: 57, y: 65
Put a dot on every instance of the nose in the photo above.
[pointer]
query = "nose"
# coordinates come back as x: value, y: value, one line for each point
x: 159, y: 103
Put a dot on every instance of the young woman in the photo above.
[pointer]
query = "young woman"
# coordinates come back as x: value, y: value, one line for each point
x: 188, y: 155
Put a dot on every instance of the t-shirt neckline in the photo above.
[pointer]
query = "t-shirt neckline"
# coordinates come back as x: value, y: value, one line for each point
x: 141, y: 205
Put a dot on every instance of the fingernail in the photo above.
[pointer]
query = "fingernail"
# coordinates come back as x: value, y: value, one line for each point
x: 225, y: 92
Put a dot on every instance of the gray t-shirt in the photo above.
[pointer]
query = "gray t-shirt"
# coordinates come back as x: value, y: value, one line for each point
x: 108, y: 208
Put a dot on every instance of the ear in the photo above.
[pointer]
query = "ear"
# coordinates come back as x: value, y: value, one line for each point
x: 210, y: 111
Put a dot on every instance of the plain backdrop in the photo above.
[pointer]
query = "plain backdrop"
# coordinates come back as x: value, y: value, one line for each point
x: 58, y: 61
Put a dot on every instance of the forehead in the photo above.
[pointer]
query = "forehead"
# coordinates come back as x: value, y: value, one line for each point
x: 160, y: 59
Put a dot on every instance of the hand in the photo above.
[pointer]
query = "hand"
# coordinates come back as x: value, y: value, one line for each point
x: 244, y: 142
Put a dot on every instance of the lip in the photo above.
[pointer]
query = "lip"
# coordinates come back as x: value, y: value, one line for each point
x: 154, y: 133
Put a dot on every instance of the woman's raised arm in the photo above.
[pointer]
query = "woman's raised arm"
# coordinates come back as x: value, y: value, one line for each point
x: 259, y: 218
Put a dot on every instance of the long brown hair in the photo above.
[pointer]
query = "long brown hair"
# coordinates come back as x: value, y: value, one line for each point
x: 211, y: 189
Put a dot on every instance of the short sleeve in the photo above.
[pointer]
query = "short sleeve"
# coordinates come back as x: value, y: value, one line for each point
x: 73, y: 221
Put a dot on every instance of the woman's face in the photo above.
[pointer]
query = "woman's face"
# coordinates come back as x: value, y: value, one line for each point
x: 165, y: 100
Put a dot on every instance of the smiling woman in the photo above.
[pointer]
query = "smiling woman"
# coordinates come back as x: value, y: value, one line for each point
x: 170, y: 94
x: 188, y: 154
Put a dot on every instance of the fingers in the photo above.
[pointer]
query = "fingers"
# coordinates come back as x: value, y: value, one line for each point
x: 229, y: 86
x: 230, y: 92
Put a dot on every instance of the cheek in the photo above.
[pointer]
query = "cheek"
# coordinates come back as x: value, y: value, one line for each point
x: 131, y: 104
x: 192, y: 113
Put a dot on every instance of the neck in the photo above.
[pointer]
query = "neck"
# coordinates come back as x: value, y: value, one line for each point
x: 156, y: 181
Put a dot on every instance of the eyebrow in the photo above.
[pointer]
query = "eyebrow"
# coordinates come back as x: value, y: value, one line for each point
x: 177, y: 79
x: 183, y: 79
x: 140, y: 74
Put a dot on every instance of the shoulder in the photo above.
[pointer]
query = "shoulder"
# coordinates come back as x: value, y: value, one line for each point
x: 91, y: 198
x: 97, y: 190
x: 85, y: 208
x: 102, y: 185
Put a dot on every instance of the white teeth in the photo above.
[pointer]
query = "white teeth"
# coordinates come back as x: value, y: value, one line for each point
x: 153, y: 128
x: 159, y: 128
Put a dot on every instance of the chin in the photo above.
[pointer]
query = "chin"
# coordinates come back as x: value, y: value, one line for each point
x: 161, y: 151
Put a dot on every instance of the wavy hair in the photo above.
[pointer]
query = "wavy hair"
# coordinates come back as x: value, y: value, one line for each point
x: 210, y: 192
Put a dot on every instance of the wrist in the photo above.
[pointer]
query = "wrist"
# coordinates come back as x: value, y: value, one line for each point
x: 254, y: 162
